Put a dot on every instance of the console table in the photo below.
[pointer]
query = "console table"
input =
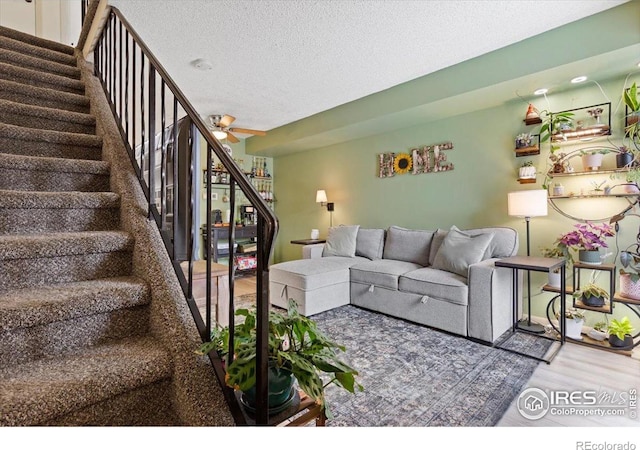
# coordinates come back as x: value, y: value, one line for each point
x: 536, y: 264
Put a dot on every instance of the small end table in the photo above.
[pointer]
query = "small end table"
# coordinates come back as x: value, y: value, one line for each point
x: 536, y: 264
x: 309, y: 241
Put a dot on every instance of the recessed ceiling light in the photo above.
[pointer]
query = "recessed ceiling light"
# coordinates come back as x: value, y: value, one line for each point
x: 540, y: 91
x: 202, y: 64
x: 579, y: 79
x: 639, y: 64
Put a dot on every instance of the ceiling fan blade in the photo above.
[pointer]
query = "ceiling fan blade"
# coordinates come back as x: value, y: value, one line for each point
x: 248, y: 131
x: 232, y: 138
x: 226, y: 120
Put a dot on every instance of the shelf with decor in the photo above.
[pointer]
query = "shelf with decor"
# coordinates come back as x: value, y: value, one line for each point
x: 607, y: 306
x: 596, y: 166
x: 586, y: 123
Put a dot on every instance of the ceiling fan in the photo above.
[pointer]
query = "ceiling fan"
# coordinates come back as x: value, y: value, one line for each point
x: 219, y: 126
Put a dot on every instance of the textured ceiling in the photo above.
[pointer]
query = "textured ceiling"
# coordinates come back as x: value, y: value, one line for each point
x: 275, y: 62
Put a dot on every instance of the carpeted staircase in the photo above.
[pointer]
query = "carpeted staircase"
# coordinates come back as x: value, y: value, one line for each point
x: 76, y: 346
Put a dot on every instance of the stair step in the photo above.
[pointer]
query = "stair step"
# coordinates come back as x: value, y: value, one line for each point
x: 32, y: 173
x: 23, y: 93
x: 57, y: 144
x: 45, y: 391
x: 55, y: 319
x: 40, y: 259
x: 35, y: 63
x: 31, y: 116
x: 34, y: 51
x: 40, y: 79
x: 36, y: 41
x: 26, y: 212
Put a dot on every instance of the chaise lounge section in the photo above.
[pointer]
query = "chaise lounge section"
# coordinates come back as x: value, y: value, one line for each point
x: 445, y: 279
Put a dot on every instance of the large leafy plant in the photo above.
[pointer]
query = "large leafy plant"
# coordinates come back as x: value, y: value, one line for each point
x: 295, y: 344
x: 630, y: 98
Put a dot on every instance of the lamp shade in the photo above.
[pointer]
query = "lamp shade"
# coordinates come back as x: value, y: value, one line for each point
x: 220, y: 135
x: 321, y: 196
x: 531, y: 203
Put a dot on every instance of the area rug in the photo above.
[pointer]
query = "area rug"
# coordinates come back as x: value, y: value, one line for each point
x: 416, y: 376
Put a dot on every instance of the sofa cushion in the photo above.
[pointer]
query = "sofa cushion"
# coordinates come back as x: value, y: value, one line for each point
x: 381, y: 272
x: 459, y: 250
x: 407, y: 245
x: 437, y: 284
x: 370, y: 243
x: 503, y: 244
x: 341, y: 241
x: 310, y: 274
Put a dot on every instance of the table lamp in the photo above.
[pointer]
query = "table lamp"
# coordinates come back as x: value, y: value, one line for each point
x: 528, y: 204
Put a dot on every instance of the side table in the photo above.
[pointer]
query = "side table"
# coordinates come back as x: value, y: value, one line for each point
x: 308, y: 241
x: 536, y: 264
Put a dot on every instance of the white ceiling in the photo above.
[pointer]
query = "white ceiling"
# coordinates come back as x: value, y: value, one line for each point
x: 278, y: 61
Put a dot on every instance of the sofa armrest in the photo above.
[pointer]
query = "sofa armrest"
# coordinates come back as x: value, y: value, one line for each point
x: 312, y: 251
x: 491, y: 299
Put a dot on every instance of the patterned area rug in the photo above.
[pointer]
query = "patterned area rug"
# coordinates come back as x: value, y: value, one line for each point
x: 416, y: 376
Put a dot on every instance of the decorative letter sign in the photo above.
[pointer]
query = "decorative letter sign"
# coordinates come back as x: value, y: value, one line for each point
x: 426, y: 159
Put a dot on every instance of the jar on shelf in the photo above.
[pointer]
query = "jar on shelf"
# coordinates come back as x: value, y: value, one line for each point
x: 558, y: 190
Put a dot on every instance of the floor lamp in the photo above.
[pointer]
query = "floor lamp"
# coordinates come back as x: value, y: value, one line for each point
x: 528, y: 204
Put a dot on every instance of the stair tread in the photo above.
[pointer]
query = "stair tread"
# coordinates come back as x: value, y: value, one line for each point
x: 47, y: 113
x: 38, y: 91
x: 43, y: 77
x: 59, y: 137
x: 33, y: 62
x: 48, y: 245
x: 29, y: 307
x: 39, y: 391
x: 59, y: 200
x: 49, y: 164
x: 36, y: 41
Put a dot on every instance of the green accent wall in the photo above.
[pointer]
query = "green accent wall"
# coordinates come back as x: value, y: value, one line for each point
x: 474, y: 194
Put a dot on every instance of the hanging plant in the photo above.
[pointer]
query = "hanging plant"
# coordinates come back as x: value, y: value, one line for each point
x: 402, y: 163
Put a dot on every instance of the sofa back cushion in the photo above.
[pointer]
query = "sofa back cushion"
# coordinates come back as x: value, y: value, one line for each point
x: 504, y: 242
x: 370, y: 243
x: 459, y: 250
x: 341, y: 241
x: 407, y: 245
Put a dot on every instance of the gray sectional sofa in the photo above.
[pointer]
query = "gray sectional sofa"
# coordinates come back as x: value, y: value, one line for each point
x: 445, y: 279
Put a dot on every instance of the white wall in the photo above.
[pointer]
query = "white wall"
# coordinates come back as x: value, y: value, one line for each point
x: 56, y: 20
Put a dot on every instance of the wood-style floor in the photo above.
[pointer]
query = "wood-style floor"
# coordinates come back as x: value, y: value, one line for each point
x: 580, y: 368
x: 576, y: 367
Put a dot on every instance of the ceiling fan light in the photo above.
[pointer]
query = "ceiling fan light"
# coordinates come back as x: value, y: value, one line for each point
x: 220, y: 135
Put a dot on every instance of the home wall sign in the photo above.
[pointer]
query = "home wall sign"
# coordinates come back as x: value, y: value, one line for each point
x: 425, y: 159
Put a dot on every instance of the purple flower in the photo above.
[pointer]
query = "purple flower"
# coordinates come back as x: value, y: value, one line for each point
x: 587, y: 236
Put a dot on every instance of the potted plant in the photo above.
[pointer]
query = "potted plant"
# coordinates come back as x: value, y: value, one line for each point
x: 625, y: 157
x: 586, y: 239
x: 592, y: 159
x: 573, y: 322
x: 554, y: 278
x: 297, y: 348
x: 630, y: 274
x: 620, y: 333
x: 527, y: 171
x: 592, y: 295
x: 553, y: 123
x: 599, y: 331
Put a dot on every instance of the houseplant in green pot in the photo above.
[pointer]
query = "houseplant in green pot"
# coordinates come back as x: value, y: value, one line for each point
x: 620, y: 333
x: 297, y: 349
x: 591, y: 295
